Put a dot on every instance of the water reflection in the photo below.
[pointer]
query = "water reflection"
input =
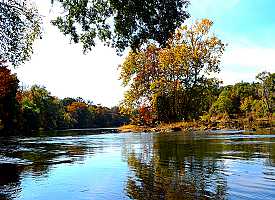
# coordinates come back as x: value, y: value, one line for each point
x: 202, y: 167
x: 37, y: 156
x: 9, y: 180
x: 138, y: 166
x: 178, y: 168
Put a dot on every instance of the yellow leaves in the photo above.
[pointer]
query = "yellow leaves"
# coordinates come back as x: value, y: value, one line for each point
x: 189, y: 52
x: 202, y: 27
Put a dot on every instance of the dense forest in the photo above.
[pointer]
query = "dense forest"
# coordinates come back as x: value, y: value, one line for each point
x: 33, y: 109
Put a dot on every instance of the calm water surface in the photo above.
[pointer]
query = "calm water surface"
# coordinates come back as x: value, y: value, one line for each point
x: 217, y: 165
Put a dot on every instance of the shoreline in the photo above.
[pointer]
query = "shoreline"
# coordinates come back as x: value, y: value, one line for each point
x: 233, y: 124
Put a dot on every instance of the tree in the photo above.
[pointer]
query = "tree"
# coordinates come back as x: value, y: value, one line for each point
x: 19, y: 27
x: 120, y: 23
x: 80, y: 113
x: 175, y: 73
x: 224, y: 104
x: 8, y: 103
x: 267, y: 89
x: 40, y: 107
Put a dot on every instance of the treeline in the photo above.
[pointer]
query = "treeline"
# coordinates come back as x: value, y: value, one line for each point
x: 171, y: 83
x: 24, y: 111
x: 252, y: 101
x: 255, y: 99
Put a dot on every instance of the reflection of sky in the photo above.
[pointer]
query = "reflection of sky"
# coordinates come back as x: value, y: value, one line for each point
x: 101, y: 176
x: 103, y: 173
x: 249, y: 179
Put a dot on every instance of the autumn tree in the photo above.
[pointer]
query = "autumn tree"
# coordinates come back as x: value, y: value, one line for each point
x: 8, y: 103
x: 175, y: 75
x: 40, y: 109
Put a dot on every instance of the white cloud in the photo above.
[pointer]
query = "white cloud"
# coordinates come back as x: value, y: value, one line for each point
x: 250, y: 57
x: 243, y: 61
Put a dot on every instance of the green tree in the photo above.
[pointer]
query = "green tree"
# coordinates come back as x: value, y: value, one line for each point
x: 19, y: 27
x: 117, y: 23
x: 38, y: 102
x: 224, y: 104
x: 120, y: 23
x: 267, y: 89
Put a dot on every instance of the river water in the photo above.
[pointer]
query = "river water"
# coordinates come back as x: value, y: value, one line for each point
x: 82, y: 165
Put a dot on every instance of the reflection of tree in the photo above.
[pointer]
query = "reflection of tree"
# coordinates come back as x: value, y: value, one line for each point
x: 9, y: 180
x: 37, y: 156
x: 188, y: 167
x: 177, y: 171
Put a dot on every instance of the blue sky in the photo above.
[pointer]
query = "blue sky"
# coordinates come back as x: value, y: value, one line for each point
x: 247, y: 26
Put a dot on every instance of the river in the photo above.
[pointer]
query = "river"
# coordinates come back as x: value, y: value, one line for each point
x: 83, y: 165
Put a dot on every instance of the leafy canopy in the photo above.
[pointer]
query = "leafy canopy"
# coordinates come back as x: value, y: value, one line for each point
x: 178, y: 68
x: 120, y: 23
x: 19, y: 27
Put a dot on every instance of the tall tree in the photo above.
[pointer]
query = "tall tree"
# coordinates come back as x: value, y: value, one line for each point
x: 175, y: 73
x: 267, y: 89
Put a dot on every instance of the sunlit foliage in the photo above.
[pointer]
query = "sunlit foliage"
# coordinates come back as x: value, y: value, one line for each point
x: 174, y: 75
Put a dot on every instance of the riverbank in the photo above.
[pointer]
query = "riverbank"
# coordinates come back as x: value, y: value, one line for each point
x: 237, y: 124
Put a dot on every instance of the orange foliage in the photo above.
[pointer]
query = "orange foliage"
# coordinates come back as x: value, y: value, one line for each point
x: 145, y: 114
x: 76, y: 106
x: 7, y: 81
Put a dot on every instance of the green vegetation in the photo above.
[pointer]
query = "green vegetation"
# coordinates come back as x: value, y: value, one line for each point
x: 171, y: 84
x: 167, y: 71
x: 35, y: 109
x: 20, y: 25
x: 119, y: 24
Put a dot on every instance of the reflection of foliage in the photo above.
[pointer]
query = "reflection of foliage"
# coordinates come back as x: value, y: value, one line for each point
x: 155, y: 182
x: 177, y: 171
x: 9, y: 180
x: 37, y: 156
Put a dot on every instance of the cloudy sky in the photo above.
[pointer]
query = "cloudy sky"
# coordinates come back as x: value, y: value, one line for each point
x: 247, y: 28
